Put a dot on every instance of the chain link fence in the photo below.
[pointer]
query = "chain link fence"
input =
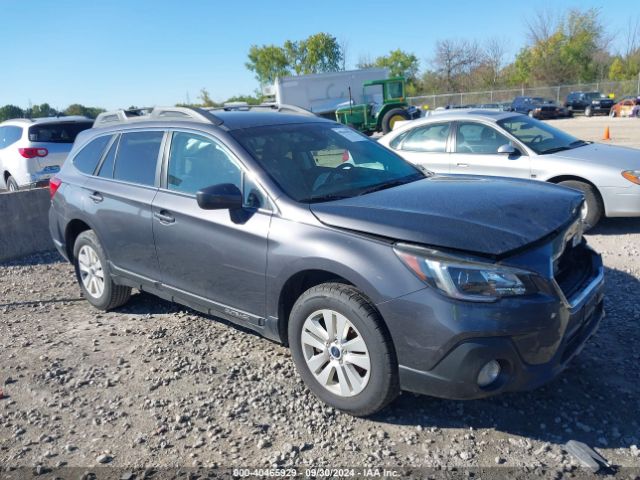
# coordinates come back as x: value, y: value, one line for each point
x: 557, y: 93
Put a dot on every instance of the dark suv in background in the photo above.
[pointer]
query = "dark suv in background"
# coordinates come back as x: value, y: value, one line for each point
x: 379, y: 275
x: 535, y: 107
x: 591, y: 103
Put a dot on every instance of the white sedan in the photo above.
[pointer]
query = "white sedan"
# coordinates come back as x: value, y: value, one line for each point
x: 484, y: 142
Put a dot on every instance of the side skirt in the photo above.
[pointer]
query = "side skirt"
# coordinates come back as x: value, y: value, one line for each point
x: 268, y: 328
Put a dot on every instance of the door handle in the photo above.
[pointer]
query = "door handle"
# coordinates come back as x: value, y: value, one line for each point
x: 96, y: 197
x: 462, y: 164
x: 164, y: 217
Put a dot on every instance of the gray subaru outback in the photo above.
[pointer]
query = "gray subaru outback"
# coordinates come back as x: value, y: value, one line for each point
x: 379, y: 276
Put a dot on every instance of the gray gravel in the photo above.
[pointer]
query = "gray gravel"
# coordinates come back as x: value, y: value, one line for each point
x: 155, y: 384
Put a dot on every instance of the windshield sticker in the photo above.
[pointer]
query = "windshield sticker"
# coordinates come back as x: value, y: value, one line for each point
x: 349, y: 134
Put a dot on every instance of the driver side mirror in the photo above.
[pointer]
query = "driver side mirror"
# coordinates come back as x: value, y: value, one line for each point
x: 508, y: 150
x: 225, y: 196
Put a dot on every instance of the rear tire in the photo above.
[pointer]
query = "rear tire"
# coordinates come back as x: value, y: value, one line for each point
x: 94, y: 276
x: 593, y: 203
x: 12, y: 185
x: 338, y: 382
x: 392, y: 116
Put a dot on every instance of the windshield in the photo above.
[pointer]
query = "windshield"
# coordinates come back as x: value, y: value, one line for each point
x: 63, y: 132
x: 539, y: 136
x: 593, y: 95
x: 316, y: 162
x: 373, y: 94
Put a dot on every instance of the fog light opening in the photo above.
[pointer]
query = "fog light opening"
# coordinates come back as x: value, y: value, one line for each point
x: 489, y: 373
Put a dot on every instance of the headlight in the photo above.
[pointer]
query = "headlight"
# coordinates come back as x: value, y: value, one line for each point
x: 465, y: 279
x: 632, y: 175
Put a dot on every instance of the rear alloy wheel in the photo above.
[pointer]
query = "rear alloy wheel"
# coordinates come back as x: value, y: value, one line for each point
x: 92, y: 272
x: 592, y: 209
x: 342, y: 350
x: 391, y: 117
x: 12, y: 185
x: 588, y: 112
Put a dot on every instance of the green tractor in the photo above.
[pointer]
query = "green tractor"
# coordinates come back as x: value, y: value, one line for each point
x: 384, y: 105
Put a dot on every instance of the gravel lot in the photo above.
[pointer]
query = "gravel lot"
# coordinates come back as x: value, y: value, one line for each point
x: 623, y: 131
x: 154, y: 384
x: 157, y: 385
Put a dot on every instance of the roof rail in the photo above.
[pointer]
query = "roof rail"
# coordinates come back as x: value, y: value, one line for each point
x: 156, y: 113
x: 278, y: 107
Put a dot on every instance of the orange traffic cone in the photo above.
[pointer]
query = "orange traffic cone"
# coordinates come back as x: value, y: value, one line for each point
x: 607, y: 135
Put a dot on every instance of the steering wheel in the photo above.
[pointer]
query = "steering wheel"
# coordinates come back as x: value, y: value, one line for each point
x: 338, y: 171
x: 536, y: 139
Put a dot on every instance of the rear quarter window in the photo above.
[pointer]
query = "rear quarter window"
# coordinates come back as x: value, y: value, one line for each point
x: 57, y: 132
x: 87, y: 159
x: 9, y: 135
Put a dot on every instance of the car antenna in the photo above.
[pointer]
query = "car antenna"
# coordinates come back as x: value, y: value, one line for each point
x: 350, y: 102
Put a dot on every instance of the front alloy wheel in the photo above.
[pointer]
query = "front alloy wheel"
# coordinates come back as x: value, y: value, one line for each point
x: 336, y: 353
x: 342, y: 349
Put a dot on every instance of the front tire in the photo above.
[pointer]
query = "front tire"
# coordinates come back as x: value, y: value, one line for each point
x: 341, y: 349
x: 588, y: 112
x: 593, y: 209
x: 94, y: 276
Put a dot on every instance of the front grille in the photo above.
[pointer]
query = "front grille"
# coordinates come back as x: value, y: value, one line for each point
x: 572, y: 271
x: 548, y: 109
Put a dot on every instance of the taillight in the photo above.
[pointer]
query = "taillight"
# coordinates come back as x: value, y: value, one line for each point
x: 345, y: 156
x: 33, y: 152
x: 54, y: 184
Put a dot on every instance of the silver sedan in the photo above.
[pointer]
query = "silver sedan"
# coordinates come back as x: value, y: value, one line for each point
x: 483, y: 142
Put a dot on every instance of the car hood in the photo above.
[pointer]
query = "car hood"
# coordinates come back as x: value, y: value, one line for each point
x: 624, y: 158
x: 480, y: 215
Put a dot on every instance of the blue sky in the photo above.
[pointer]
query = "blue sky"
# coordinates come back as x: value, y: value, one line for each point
x: 122, y: 52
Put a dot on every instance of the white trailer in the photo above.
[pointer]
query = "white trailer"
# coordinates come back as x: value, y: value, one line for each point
x: 323, y: 92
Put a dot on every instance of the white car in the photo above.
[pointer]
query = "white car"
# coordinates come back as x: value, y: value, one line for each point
x: 507, y: 144
x: 32, y: 151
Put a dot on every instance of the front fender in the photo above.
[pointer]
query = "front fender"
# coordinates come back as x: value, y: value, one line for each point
x: 368, y: 263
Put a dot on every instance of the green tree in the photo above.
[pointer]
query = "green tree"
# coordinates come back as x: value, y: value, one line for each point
x: 617, y: 70
x: 10, y: 111
x: 42, y: 110
x: 205, y: 99
x: 573, y: 50
x: 316, y: 54
x: 78, y: 109
x: 400, y: 64
x: 268, y: 62
x: 250, y: 99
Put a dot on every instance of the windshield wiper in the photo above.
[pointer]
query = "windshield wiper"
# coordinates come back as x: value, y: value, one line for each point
x: 384, y: 186
x: 555, y: 149
x: 324, y: 198
x: 579, y: 143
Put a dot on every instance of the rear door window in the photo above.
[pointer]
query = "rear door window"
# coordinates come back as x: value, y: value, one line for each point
x: 106, y: 169
x: 428, y: 138
x: 64, y: 132
x: 137, y: 157
x: 87, y: 159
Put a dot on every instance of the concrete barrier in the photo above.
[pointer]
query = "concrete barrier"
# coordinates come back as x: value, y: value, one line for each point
x: 24, y: 223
